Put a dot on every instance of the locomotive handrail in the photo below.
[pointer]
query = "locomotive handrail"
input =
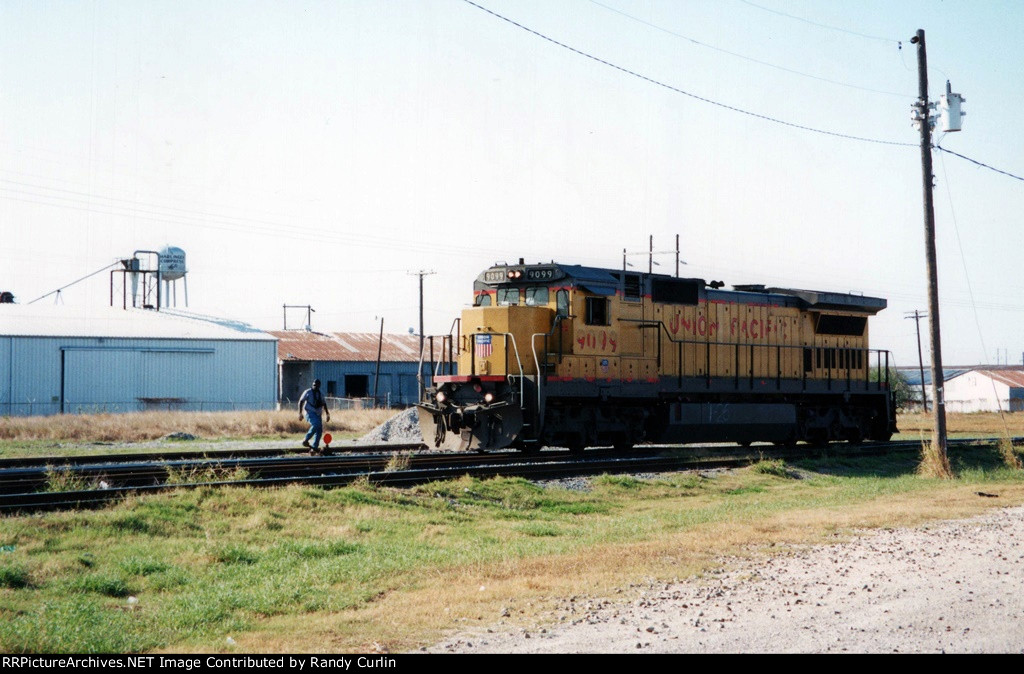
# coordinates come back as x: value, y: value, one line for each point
x: 541, y: 376
x: 519, y: 362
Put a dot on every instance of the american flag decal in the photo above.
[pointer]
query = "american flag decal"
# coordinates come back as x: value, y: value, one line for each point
x: 483, y: 346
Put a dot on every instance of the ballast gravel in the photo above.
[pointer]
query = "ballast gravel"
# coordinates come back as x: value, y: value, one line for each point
x: 404, y: 427
x: 952, y: 587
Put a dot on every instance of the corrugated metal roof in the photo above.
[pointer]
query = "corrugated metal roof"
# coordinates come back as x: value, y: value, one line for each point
x: 1012, y: 378
x: 913, y: 374
x: 345, y: 346
x: 1011, y: 375
x: 22, y: 320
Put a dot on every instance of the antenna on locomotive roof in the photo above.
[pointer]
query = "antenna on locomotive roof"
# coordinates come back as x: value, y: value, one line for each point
x: 650, y: 253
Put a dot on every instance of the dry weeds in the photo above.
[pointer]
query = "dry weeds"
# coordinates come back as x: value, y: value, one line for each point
x: 399, y: 461
x: 145, y: 426
x: 973, y: 424
x: 1011, y: 457
x: 934, y: 463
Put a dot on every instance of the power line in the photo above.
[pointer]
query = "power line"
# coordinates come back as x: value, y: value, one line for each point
x: 686, y: 93
x: 58, y: 290
x: 824, y: 25
x: 84, y: 201
x: 963, y: 260
x: 974, y: 161
x: 748, y: 58
x: 977, y: 320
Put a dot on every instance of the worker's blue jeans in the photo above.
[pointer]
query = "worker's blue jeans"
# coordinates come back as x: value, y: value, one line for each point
x: 316, y: 429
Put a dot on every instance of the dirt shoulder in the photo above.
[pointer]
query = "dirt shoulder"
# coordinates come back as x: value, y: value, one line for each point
x: 955, y: 587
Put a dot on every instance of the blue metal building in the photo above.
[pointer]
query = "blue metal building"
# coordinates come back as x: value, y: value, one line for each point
x: 63, y: 359
x: 346, y: 363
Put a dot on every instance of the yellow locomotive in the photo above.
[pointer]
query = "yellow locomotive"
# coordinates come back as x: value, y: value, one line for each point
x: 573, y: 356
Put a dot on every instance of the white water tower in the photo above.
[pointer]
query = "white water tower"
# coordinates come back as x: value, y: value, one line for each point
x: 172, y: 270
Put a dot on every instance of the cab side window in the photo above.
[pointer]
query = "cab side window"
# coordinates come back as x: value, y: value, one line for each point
x: 483, y: 300
x: 597, y: 311
x: 562, y: 303
x: 632, y: 288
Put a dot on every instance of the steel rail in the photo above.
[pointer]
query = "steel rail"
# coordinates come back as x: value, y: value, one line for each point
x: 428, y: 468
x: 181, y: 455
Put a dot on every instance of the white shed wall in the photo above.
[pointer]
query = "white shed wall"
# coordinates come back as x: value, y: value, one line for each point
x: 975, y: 392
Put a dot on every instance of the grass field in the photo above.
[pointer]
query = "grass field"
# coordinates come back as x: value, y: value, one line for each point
x: 363, y: 568
x: 980, y: 424
x: 44, y: 433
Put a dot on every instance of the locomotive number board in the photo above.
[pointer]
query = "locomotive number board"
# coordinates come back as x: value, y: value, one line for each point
x: 529, y: 274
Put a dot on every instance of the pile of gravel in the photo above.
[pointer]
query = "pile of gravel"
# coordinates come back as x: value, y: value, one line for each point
x: 402, y: 428
x: 180, y: 436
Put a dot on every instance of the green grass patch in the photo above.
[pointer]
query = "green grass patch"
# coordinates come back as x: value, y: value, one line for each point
x: 14, y: 576
x: 100, y: 583
x: 208, y: 562
x: 539, y: 529
x: 776, y: 467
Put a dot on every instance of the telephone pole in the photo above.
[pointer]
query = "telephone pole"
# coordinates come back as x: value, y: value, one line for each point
x: 917, y: 316
x: 421, y: 273
x: 923, y: 118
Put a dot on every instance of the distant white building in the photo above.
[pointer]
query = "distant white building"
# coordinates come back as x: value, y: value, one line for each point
x: 68, y: 359
x: 986, y: 389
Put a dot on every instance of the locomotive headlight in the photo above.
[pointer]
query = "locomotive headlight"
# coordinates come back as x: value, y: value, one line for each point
x: 488, y: 397
x: 440, y: 397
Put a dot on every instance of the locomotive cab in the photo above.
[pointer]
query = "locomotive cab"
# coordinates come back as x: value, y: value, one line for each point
x: 482, y: 407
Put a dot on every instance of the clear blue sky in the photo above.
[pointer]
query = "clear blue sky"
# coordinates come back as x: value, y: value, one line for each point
x: 317, y: 152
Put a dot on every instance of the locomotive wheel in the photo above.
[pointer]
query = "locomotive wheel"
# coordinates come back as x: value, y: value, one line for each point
x: 816, y: 437
x: 788, y: 443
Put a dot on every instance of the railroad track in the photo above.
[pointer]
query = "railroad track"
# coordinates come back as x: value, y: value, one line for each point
x: 23, y: 488
x: 91, y: 459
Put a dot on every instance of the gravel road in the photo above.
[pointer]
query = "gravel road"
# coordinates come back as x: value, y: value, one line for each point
x: 954, y: 587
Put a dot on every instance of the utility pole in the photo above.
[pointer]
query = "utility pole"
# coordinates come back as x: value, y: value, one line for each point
x: 421, y: 273
x: 376, y: 372
x: 917, y: 316
x: 922, y: 108
x: 309, y: 314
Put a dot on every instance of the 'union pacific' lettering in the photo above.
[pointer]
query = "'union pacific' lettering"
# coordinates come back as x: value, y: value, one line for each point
x: 702, y: 326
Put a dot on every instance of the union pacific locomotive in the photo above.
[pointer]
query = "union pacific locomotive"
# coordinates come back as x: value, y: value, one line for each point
x: 573, y: 356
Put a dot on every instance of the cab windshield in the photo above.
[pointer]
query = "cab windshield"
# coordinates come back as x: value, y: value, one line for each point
x: 508, y: 296
x: 536, y: 297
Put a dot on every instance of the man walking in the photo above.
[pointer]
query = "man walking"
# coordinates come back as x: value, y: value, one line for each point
x: 312, y: 402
